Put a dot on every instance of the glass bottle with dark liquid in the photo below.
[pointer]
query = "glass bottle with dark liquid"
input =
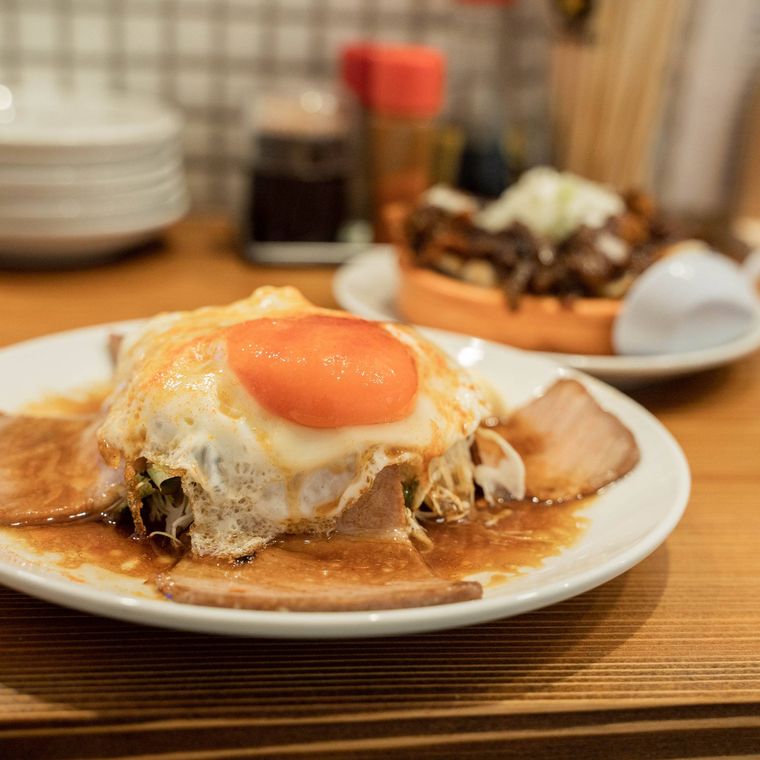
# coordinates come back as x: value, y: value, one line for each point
x: 299, y: 188
x: 300, y: 175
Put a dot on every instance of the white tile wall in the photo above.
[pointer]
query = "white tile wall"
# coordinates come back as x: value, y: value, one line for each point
x: 142, y: 34
x: 243, y: 40
x: 144, y: 81
x: 206, y: 56
x: 38, y: 33
x: 194, y: 36
x: 90, y: 34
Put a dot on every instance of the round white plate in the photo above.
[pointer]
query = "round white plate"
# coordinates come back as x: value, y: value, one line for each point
x: 65, y: 174
x: 626, y: 522
x: 58, y: 184
x: 86, y: 243
x: 366, y: 285
x: 70, y: 207
x: 68, y: 236
x: 54, y: 125
x: 71, y: 250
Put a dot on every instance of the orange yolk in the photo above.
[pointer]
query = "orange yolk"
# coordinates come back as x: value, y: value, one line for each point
x: 322, y: 371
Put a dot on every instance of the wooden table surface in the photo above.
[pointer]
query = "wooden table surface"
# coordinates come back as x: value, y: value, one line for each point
x: 664, y: 661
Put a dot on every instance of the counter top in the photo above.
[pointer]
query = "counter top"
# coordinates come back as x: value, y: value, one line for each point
x: 663, y: 661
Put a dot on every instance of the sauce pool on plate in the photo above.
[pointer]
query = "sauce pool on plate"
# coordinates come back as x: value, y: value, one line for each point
x: 491, y: 543
x: 522, y: 536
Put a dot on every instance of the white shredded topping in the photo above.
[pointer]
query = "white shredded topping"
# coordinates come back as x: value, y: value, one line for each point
x: 451, y: 486
x: 551, y: 204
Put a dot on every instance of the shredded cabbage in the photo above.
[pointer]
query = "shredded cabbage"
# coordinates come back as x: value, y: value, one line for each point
x: 162, y: 494
x: 451, y: 488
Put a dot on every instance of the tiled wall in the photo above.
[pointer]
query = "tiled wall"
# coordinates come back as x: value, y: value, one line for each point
x: 207, y: 55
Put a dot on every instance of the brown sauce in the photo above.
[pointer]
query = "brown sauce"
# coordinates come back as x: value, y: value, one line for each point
x: 51, y: 469
x: 91, y: 542
x: 522, y: 537
x: 502, y: 543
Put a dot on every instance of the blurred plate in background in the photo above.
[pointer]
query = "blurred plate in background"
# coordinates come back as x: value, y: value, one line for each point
x: 85, y: 174
x: 366, y: 285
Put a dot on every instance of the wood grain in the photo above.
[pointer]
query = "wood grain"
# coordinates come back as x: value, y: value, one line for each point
x: 663, y: 661
x: 198, y: 264
x: 608, y: 88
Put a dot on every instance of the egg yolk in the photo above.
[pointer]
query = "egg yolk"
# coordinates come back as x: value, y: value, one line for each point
x: 322, y: 371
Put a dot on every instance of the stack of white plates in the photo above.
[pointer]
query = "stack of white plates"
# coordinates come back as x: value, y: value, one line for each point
x: 85, y: 174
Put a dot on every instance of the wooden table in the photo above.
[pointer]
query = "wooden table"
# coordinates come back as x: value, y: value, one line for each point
x: 661, y: 662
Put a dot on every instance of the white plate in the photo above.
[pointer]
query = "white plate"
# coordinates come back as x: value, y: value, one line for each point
x: 53, y: 125
x: 56, y: 184
x: 626, y: 523
x: 52, y: 174
x: 68, y: 207
x: 71, y: 250
x: 49, y: 231
x: 86, y: 242
x: 366, y: 285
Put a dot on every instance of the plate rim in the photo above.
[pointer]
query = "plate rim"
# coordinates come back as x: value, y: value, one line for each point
x: 645, y: 367
x: 15, y: 573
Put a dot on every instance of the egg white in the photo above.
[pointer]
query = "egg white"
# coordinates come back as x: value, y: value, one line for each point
x: 248, y: 473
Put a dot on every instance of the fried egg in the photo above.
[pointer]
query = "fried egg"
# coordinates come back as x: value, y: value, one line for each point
x: 278, y: 415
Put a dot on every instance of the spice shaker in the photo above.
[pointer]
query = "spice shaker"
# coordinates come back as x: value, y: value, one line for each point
x: 401, y: 89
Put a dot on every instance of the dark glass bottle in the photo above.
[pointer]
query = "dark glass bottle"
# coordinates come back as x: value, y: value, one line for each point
x: 300, y: 175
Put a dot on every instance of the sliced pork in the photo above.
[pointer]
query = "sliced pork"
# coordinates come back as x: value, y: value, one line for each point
x: 570, y: 446
x: 336, y: 574
x: 369, y: 563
